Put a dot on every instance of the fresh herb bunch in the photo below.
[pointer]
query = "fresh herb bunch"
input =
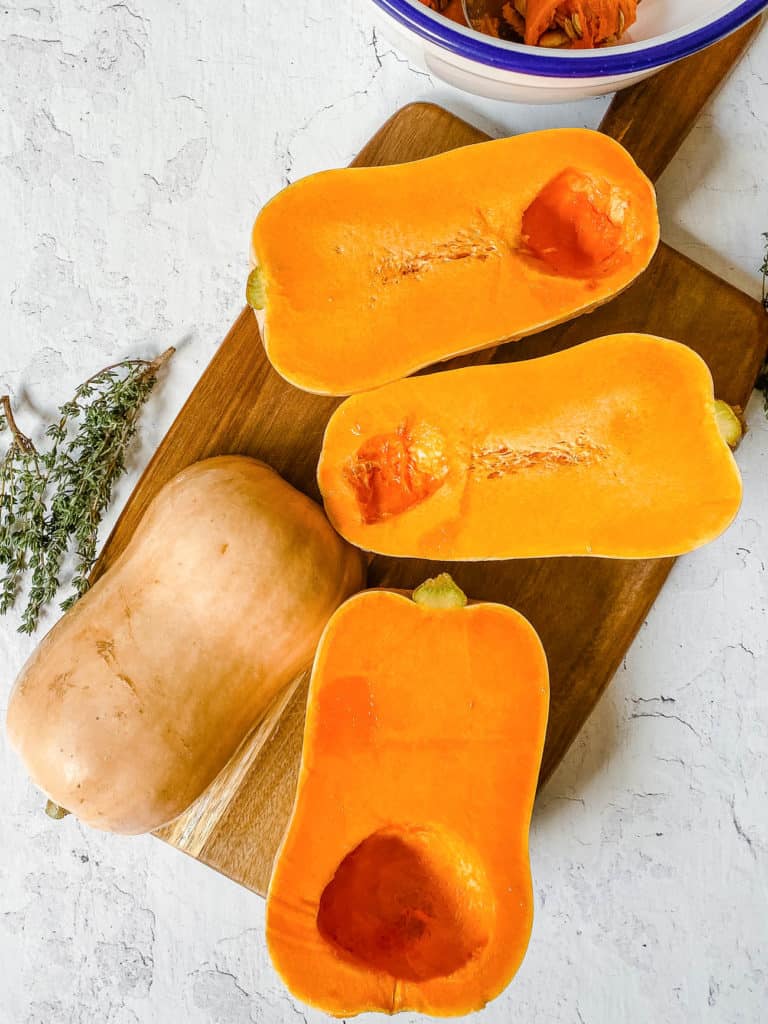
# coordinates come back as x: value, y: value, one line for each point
x: 52, y: 500
x: 762, y: 385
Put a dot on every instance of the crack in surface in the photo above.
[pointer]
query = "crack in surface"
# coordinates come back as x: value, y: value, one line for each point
x: 740, y: 830
x: 662, y: 714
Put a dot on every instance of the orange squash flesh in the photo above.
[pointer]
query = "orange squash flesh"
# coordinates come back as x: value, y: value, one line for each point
x: 404, y: 880
x: 611, y: 448
x: 368, y: 274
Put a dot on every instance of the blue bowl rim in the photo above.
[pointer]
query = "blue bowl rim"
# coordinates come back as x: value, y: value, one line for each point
x: 619, y: 60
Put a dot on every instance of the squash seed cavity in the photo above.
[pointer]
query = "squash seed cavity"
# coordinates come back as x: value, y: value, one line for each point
x: 467, y: 245
x: 578, y: 225
x: 392, y: 473
x: 499, y: 460
x: 412, y: 901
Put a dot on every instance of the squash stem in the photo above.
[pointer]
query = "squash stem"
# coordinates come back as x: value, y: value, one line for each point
x: 439, y: 593
x: 54, y: 811
x: 729, y: 423
x: 255, y: 292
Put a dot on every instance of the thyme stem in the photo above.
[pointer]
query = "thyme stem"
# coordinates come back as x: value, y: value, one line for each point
x: 762, y: 380
x: 21, y: 439
x: 149, y: 368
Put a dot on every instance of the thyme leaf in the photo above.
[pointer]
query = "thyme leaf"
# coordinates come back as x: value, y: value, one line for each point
x: 762, y: 385
x: 53, y: 499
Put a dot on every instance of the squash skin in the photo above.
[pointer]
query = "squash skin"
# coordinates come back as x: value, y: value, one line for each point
x: 138, y: 697
x: 607, y: 449
x: 369, y: 272
x: 427, y: 726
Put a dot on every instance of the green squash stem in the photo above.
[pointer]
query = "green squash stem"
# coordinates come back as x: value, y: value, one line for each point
x: 440, y: 593
x: 54, y: 811
x: 255, y: 291
x: 729, y: 423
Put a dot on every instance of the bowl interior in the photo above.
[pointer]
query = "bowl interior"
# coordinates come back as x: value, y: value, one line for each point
x: 658, y: 22
x: 666, y: 31
x: 660, y: 17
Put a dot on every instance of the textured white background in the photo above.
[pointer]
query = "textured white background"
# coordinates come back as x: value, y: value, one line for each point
x: 137, y: 142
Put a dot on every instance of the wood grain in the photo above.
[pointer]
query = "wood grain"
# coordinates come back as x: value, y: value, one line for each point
x: 586, y: 610
x: 653, y: 118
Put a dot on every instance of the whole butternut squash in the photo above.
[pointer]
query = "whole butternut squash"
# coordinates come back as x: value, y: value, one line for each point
x: 139, y: 696
x: 364, y: 275
x: 404, y: 881
x: 610, y: 448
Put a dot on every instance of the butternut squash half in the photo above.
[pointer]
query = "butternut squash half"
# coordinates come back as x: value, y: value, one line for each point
x: 140, y: 695
x: 364, y: 275
x: 611, y: 448
x: 404, y: 881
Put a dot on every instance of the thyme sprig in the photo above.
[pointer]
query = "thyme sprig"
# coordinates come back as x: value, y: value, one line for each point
x: 52, y: 499
x: 762, y: 385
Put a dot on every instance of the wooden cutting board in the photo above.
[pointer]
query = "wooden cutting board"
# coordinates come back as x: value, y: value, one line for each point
x: 587, y: 611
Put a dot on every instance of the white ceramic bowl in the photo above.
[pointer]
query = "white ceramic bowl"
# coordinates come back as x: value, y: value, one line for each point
x: 666, y: 30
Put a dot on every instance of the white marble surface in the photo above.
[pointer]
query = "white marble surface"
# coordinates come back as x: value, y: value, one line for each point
x: 137, y: 141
